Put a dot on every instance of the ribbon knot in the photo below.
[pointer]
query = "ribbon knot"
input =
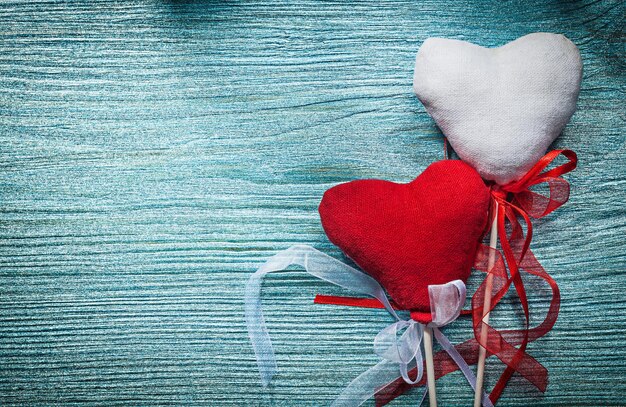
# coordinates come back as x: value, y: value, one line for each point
x: 500, y: 195
x: 446, y: 301
x: 536, y: 204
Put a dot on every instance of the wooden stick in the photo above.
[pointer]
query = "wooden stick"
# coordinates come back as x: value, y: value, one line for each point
x: 430, y: 366
x: 482, y: 352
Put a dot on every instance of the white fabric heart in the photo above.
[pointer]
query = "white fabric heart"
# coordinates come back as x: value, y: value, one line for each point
x: 501, y: 108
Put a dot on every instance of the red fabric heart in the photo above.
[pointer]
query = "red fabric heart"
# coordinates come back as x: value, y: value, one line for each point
x: 408, y: 236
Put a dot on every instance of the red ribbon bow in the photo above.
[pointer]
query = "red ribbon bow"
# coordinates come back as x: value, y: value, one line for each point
x: 515, y: 201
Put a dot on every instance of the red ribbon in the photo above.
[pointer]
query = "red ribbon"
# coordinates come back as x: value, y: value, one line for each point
x: 515, y: 201
x: 351, y: 301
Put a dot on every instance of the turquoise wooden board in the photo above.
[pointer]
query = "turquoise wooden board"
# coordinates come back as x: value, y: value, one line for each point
x: 154, y: 153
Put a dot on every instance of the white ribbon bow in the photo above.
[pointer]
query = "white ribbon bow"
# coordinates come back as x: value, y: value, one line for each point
x: 398, y: 354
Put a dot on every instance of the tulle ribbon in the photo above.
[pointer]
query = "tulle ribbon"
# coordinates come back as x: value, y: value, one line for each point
x: 398, y: 345
x: 515, y: 201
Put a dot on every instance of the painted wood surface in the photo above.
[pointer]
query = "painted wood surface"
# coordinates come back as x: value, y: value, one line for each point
x: 154, y: 153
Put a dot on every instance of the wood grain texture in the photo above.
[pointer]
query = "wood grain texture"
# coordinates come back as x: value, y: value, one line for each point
x: 154, y: 153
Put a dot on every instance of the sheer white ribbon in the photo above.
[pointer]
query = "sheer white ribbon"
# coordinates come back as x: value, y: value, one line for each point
x: 399, y: 354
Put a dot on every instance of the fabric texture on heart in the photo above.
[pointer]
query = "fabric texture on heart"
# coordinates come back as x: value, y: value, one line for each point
x: 409, y: 236
x: 501, y: 108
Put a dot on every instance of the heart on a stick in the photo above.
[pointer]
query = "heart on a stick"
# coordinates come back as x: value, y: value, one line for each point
x: 409, y: 236
x: 501, y: 108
